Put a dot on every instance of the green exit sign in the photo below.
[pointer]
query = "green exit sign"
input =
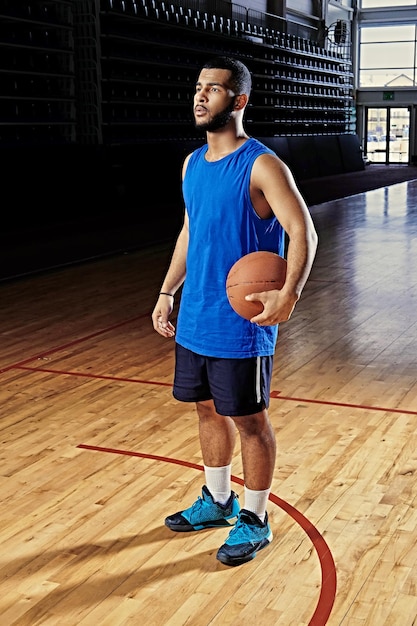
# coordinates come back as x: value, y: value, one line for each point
x: 388, y: 95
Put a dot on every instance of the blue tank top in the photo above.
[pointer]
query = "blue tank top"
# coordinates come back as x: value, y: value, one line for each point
x: 223, y: 226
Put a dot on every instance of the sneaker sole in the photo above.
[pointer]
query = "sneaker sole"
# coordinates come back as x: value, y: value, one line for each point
x: 234, y: 561
x: 190, y: 528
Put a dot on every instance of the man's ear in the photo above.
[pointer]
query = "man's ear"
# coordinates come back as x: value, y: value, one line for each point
x: 241, y: 101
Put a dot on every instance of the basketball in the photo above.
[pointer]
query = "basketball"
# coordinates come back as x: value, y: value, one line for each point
x: 253, y: 273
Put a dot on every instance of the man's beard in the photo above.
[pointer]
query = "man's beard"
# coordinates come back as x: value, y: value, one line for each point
x: 220, y: 120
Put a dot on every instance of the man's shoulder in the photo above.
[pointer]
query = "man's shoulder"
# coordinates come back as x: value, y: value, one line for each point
x: 260, y: 146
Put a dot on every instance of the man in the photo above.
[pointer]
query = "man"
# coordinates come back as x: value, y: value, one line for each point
x: 239, y: 197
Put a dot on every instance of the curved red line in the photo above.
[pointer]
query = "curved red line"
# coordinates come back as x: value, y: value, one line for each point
x: 328, y: 569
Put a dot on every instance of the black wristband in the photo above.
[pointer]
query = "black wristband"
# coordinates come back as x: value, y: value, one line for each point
x: 164, y: 293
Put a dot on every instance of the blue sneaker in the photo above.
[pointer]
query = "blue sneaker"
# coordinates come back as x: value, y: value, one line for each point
x: 245, y: 540
x: 205, y: 513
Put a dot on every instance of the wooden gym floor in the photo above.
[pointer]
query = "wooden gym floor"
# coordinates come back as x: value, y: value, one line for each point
x: 95, y: 451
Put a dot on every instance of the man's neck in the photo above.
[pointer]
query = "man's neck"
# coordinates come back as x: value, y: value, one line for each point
x: 220, y: 144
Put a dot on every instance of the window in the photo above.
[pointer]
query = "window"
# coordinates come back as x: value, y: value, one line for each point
x: 387, y: 55
x: 379, y: 4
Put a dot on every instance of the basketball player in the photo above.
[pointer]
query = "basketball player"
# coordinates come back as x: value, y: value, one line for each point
x: 239, y: 197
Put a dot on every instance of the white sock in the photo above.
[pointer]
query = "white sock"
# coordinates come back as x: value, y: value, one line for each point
x: 218, y: 482
x: 256, y: 502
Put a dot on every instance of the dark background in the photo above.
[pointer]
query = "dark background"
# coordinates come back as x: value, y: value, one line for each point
x: 95, y: 119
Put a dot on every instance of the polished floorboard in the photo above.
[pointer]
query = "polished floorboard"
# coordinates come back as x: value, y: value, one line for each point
x: 95, y: 452
x: 78, y: 236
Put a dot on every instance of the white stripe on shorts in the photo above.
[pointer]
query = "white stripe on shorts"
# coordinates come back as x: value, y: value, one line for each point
x: 258, y: 379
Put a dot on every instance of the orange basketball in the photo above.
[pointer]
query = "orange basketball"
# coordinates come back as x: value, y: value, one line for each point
x: 253, y: 273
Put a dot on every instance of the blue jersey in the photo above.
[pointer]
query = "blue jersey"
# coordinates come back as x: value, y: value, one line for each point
x: 223, y: 226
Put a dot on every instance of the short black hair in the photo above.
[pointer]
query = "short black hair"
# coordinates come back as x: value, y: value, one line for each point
x: 241, y: 77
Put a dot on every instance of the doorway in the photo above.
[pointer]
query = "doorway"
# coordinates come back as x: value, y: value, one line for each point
x: 387, y: 134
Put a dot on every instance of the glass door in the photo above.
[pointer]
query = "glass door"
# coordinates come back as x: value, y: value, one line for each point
x: 387, y: 131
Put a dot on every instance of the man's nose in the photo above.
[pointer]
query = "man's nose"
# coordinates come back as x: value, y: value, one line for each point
x: 201, y: 95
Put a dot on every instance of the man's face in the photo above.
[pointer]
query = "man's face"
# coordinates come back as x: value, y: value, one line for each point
x: 213, y: 100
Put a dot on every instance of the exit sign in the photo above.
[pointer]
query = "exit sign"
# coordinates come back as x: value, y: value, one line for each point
x: 388, y: 95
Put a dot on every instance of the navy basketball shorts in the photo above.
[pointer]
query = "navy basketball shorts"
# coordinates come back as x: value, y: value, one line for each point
x: 236, y: 386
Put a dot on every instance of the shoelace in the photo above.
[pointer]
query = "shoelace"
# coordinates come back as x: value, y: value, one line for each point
x: 196, y: 506
x: 237, y: 529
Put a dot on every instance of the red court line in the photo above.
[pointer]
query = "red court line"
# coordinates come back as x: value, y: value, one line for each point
x: 95, y: 376
x: 275, y: 395
x: 70, y: 343
x: 327, y: 565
